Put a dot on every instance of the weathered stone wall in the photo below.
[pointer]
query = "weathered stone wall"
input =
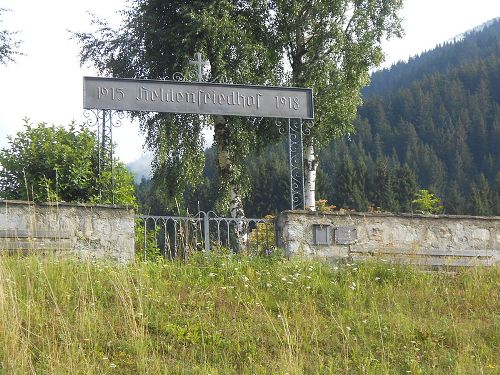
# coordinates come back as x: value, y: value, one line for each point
x: 463, y: 239
x: 86, y: 231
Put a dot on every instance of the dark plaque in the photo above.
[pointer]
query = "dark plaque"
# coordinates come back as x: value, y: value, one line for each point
x: 321, y: 234
x: 345, y: 235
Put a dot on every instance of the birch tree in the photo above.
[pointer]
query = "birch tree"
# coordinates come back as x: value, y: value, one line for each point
x: 158, y: 38
x: 331, y: 45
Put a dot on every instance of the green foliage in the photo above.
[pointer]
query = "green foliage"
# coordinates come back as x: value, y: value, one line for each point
x: 434, y: 123
x: 480, y: 197
x: 427, y: 203
x: 157, y: 39
x: 331, y: 46
x: 9, y: 46
x: 146, y: 246
x: 48, y: 163
x: 260, y: 315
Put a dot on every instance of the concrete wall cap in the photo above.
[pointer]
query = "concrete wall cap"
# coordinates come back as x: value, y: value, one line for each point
x: 7, y: 202
x: 387, y: 214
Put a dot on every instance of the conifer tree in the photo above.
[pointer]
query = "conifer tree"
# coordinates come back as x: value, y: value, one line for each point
x: 480, y: 196
x: 495, y: 196
x: 404, y: 186
x: 384, y: 193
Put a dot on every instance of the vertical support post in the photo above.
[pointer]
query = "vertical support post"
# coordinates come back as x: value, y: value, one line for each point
x: 206, y: 232
x: 296, y: 163
x: 104, y: 121
x: 145, y: 239
x: 111, y: 161
x: 99, y: 147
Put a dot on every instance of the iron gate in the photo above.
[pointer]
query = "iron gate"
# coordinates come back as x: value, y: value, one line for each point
x: 177, y: 236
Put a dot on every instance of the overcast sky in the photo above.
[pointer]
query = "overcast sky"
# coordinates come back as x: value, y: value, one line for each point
x: 46, y: 84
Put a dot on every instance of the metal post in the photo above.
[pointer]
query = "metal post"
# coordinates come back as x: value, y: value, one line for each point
x: 206, y: 232
x: 111, y: 158
x: 296, y: 163
x: 290, y: 163
x: 145, y: 239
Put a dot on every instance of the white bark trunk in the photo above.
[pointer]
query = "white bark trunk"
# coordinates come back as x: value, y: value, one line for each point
x: 310, y: 167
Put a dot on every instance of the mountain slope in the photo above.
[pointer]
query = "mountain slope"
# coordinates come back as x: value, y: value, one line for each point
x: 438, y: 114
x: 476, y: 44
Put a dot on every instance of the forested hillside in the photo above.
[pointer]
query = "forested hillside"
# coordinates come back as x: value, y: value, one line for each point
x: 443, y: 128
x: 432, y: 123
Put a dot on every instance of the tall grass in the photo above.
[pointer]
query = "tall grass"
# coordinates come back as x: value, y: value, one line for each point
x: 225, y: 315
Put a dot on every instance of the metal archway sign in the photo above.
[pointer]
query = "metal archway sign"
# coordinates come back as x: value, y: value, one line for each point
x: 143, y: 95
x: 197, y: 98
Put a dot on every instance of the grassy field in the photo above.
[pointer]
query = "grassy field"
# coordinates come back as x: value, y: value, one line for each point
x: 245, y: 316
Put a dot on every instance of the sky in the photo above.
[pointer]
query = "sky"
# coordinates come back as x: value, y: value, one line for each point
x: 45, y: 84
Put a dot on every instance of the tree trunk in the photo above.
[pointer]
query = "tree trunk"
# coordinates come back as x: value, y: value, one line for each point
x: 228, y: 177
x: 310, y: 167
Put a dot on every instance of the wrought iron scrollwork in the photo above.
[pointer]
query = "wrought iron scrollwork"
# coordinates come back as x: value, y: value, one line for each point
x: 178, y: 76
x: 296, y: 163
x: 307, y: 127
x: 104, y: 121
x: 282, y: 126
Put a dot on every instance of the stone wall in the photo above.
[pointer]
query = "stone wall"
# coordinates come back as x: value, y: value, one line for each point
x: 420, y: 239
x: 86, y: 231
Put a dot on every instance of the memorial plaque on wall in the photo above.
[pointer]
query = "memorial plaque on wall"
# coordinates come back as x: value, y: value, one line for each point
x: 321, y: 234
x: 345, y: 235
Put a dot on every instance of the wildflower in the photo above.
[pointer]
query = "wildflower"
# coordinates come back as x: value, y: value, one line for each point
x: 245, y: 279
x: 308, y: 287
x: 353, y: 286
x: 365, y: 321
x: 112, y: 365
x: 377, y: 278
x: 283, y: 279
x: 348, y: 328
x: 211, y: 274
x: 269, y: 285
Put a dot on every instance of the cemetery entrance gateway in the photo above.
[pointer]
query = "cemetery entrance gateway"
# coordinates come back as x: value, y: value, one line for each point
x: 292, y: 104
x: 289, y: 105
